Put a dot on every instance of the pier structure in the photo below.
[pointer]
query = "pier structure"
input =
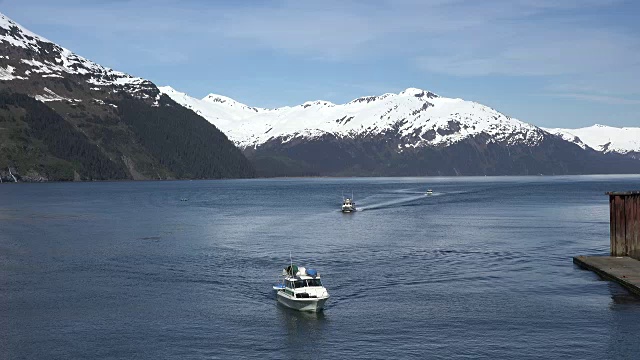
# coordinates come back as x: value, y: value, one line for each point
x: 624, y: 209
x: 623, y: 264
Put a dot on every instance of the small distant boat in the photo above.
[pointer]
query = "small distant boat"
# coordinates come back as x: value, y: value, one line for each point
x: 429, y: 192
x: 301, y: 289
x: 184, y: 199
x: 348, y: 205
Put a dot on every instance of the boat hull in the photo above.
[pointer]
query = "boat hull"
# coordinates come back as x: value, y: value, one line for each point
x: 305, y: 304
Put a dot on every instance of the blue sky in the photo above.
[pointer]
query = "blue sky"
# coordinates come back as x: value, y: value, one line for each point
x: 563, y: 63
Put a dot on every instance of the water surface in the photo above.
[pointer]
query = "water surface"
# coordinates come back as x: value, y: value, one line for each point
x: 480, y: 269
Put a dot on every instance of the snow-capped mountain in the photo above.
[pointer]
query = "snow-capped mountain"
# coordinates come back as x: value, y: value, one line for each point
x: 607, y: 139
x: 419, y: 118
x: 86, y: 121
x: 414, y: 132
x: 65, y: 117
x: 27, y: 57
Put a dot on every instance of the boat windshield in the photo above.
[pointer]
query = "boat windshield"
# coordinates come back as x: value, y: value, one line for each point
x: 303, y: 283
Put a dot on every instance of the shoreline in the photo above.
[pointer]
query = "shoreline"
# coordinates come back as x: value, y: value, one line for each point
x: 327, y: 177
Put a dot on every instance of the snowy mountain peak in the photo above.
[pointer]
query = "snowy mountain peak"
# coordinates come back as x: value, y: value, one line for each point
x: 169, y: 90
x: 417, y: 117
x: 174, y: 94
x: 317, y: 103
x: 603, y: 138
x: 38, y: 57
x: 409, y: 93
x: 220, y: 99
x: 227, y: 101
x: 16, y: 35
x: 368, y: 99
x: 418, y: 93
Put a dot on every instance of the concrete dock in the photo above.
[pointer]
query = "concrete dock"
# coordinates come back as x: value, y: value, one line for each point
x: 621, y: 269
x: 623, y: 266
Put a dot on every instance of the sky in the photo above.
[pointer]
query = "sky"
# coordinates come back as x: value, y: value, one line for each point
x: 552, y: 63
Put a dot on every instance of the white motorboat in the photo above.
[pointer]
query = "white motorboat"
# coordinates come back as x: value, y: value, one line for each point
x: 301, y: 289
x: 348, y: 205
x: 429, y: 192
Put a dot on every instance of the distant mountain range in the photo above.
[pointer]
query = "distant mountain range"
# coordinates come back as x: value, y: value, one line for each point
x: 605, y: 139
x: 63, y: 117
x: 415, y: 132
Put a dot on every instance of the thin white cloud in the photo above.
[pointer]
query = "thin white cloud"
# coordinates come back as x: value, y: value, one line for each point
x: 316, y: 32
x: 557, y: 41
x: 611, y: 100
x: 447, y: 36
x: 546, y: 52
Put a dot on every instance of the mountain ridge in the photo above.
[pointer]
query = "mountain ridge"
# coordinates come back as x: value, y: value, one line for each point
x: 622, y: 139
x: 145, y: 132
x: 423, y: 118
x: 603, y: 138
x: 395, y: 134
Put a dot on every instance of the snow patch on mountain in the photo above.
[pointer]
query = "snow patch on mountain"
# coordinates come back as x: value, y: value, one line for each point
x: 49, y: 95
x: 7, y: 73
x: 419, y: 117
x: 603, y: 138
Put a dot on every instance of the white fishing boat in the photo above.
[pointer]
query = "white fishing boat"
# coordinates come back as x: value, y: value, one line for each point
x: 348, y: 205
x: 301, y: 289
x: 429, y: 192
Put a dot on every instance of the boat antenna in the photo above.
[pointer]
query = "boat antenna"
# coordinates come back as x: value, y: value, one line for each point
x: 291, y: 263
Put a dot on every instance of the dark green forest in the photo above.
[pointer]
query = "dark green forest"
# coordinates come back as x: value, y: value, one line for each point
x: 41, y: 145
x: 36, y: 138
x: 184, y: 142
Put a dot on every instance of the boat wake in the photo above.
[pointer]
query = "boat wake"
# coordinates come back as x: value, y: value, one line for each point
x: 397, y: 202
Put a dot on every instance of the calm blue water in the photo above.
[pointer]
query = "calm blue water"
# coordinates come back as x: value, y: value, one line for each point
x: 481, y: 269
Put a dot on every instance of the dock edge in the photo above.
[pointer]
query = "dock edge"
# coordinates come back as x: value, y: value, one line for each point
x: 583, y: 262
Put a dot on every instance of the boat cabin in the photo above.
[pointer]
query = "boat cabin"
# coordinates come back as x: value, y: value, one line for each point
x: 300, y: 283
x: 301, y: 289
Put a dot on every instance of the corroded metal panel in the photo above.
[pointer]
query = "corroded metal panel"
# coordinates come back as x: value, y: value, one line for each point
x: 624, y: 212
x: 621, y: 249
x: 612, y: 226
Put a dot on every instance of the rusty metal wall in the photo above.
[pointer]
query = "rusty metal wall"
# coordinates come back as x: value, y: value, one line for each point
x: 624, y: 209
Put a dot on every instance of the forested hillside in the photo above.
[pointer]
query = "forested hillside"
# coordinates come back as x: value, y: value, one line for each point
x: 182, y: 141
x: 36, y: 143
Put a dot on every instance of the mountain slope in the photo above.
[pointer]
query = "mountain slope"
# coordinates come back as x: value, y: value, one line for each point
x: 606, y: 139
x: 143, y: 133
x: 46, y: 145
x: 415, y: 132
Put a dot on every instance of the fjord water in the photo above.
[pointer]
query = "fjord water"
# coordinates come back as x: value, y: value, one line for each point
x: 480, y: 269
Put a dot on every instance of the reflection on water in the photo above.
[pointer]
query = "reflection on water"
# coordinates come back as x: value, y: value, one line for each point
x: 294, y: 316
x: 621, y: 296
x: 302, y: 328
